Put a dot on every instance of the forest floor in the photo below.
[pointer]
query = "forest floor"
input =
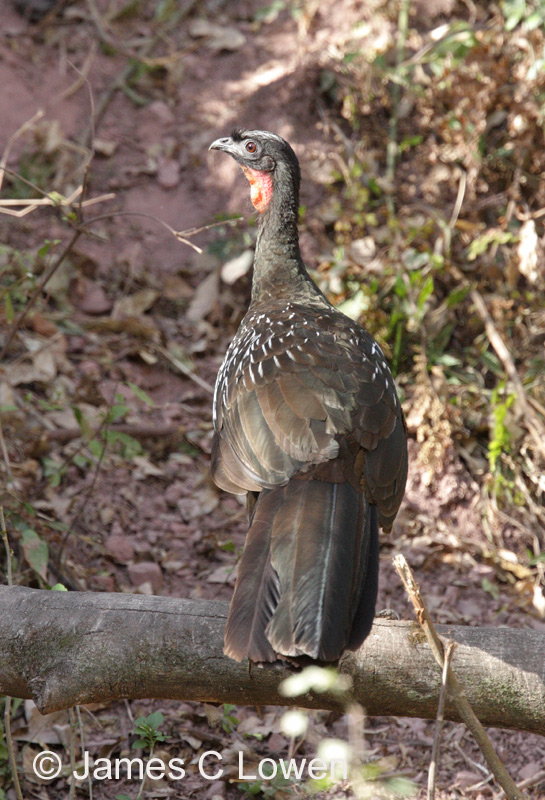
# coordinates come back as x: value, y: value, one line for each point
x: 105, y: 389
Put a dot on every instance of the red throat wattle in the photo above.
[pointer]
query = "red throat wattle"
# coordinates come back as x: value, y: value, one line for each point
x: 261, y: 188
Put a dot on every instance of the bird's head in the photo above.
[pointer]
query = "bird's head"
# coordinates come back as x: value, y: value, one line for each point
x: 266, y: 160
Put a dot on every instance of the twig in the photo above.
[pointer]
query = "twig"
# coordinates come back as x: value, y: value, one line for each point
x: 11, y: 749
x: 6, y: 545
x: 472, y: 763
x: 432, y: 774
x: 82, y: 745
x: 72, y: 716
x: 143, y: 431
x: 7, y: 708
x: 533, y: 781
x: 535, y: 426
x: 82, y: 73
x: 87, y: 136
x: 539, y: 777
x: 103, y: 426
x: 5, y: 454
x: 455, y: 690
x: 181, y: 367
x: 38, y: 290
x: 13, y: 138
x: 52, y: 199
x: 181, y: 236
x: 447, y: 232
x: 391, y: 149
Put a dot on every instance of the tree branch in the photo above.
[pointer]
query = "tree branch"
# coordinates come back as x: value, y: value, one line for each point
x: 454, y: 686
x: 68, y: 648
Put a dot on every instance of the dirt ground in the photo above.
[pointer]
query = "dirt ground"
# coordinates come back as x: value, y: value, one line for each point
x: 132, y: 306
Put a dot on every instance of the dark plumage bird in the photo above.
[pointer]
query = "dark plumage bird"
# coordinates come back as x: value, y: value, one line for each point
x: 307, y: 422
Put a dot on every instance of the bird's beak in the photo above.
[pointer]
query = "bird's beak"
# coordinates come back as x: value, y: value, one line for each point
x: 226, y: 144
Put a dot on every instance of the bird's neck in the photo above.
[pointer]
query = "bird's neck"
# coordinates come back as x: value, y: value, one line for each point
x: 278, y: 267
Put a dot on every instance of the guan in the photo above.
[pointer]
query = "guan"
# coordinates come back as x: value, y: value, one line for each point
x: 308, y: 423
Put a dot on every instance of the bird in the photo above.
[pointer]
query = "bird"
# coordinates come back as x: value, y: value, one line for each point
x: 308, y: 424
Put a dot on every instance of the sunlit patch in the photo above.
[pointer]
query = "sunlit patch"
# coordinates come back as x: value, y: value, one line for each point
x: 261, y: 188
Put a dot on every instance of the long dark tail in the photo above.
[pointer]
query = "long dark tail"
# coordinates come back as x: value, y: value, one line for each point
x: 308, y: 577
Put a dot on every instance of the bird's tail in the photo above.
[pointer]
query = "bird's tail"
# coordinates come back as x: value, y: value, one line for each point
x: 308, y: 577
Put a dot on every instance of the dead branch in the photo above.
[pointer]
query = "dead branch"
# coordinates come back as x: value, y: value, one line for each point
x: 434, y: 760
x: 453, y: 685
x: 65, y: 648
x: 144, y: 430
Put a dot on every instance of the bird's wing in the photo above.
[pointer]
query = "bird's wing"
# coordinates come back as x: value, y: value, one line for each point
x: 292, y: 383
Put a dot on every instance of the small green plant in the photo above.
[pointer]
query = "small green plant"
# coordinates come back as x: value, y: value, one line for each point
x: 229, y: 722
x: 147, y: 729
x: 500, y: 440
x: 268, y: 787
x: 4, y: 758
x: 335, y: 752
x: 5, y: 767
x: 493, y: 237
x: 516, y: 12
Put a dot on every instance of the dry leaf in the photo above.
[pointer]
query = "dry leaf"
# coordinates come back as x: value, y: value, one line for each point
x: 7, y: 396
x: 530, y: 253
x: 538, y: 601
x: 146, y: 469
x: 40, y: 728
x: 214, y: 714
x: 219, y: 37
x: 204, y: 298
x: 43, y: 368
x: 43, y: 326
x: 175, y: 288
x: 131, y: 325
x: 134, y: 305
x: 105, y: 148
x: 237, y: 267
x: 224, y: 574
x: 90, y: 297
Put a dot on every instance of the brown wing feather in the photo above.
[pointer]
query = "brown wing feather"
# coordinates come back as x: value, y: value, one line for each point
x: 297, y: 387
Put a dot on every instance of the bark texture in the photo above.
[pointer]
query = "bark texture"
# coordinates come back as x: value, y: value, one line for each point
x: 65, y: 648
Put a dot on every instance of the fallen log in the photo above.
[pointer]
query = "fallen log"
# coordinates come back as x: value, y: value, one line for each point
x: 69, y: 648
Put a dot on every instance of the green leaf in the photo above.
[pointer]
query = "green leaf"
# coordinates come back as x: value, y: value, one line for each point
x: 141, y: 394
x: 8, y: 305
x: 56, y: 198
x: 481, y: 244
x: 96, y: 448
x: 513, y: 12
x: 59, y: 587
x: 83, y: 422
x: 410, y: 141
x: 36, y: 552
x: 457, y: 296
x: 140, y: 743
x: 164, y: 10
x: 44, y: 249
x: 117, y: 412
x: 447, y: 360
x: 425, y: 291
x: 155, y: 719
x: 401, y: 787
x: 491, y: 588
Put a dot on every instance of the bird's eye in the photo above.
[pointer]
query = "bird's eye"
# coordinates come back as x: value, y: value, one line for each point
x: 251, y: 147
